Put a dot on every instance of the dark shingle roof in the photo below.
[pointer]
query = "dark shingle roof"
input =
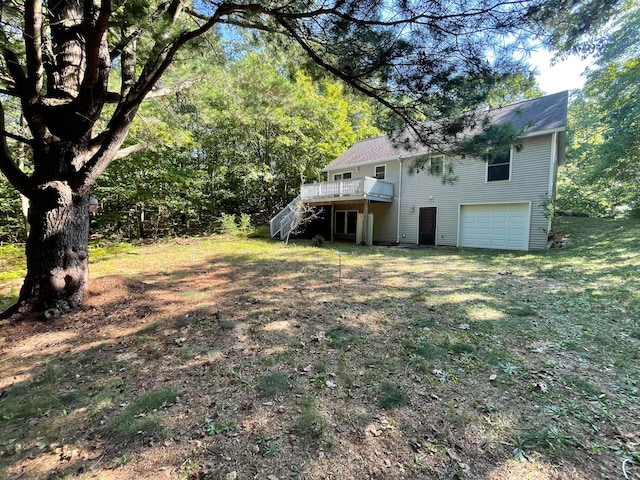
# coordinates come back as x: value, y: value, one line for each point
x: 537, y: 115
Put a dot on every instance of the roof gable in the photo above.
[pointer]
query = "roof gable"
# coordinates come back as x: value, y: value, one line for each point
x: 548, y: 113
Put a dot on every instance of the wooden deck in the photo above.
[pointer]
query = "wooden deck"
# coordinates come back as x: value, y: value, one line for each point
x: 365, y: 188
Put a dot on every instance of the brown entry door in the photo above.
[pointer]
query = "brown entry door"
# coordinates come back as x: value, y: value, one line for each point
x: 427, y: 227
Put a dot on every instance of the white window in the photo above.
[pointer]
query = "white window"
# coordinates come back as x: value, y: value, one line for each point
x: 499, y: 165
x: 381, y: 171
x: 346, y: 222
x: 342, y: 176
x: 436, y: 165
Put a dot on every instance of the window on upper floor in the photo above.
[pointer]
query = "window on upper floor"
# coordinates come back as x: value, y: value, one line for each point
x: 381, y: 172
x: 436, y: 165
x: 342, y: 176
x: 499, y: 165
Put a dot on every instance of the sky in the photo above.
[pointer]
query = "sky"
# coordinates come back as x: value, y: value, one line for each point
x: 563, y: 75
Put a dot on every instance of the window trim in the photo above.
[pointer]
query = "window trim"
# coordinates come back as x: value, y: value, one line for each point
x: 441, y: 166
x: 509, y: 163
x: 350, y: 172
x: 375, y: 174
x: 346, y: 223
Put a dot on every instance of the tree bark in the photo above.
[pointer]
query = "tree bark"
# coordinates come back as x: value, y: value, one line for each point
x: 57, y: 256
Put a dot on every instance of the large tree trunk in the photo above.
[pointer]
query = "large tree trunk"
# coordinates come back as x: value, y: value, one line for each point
x: 61, y: 76
x: 57, y: 257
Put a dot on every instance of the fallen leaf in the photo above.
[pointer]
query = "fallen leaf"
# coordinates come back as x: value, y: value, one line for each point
x: 542, y: 386
x: 453, y: 455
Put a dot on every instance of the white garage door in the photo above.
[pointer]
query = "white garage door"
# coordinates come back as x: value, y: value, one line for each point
x: 503, y: 226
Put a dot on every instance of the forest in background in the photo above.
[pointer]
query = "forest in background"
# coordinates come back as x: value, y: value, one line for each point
x: 251, y: 121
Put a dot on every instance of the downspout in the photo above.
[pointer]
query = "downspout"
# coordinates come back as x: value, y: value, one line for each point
x: 400, y: 159
x: 553, y: 175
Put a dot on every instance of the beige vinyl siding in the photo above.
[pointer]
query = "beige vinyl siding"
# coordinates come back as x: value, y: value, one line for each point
x: 385, y: 215
x: 385, y: 221
x: 529, y: 183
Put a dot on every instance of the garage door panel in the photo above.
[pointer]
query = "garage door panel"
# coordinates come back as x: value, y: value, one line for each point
x: 501, y: 226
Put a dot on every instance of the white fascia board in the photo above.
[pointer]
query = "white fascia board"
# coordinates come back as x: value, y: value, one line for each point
x: 537, y: 133
x: 377, y: 161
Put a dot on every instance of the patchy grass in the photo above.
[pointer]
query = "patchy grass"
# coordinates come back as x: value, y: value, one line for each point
x: 310, y: 425
x: 12, y: 271
x: 138, y: 418
x: 429, y: 363
x: 391, y: 396
x: 26, y: 400
x: 341, y: 337
x: 272, y: 384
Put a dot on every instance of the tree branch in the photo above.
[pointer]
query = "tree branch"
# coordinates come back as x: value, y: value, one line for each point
x: 339, y: 73
x: 128, y: 56
x: 9, y: 93
x: 423, y: 18
x: 16, y: 177
x: 193, y: 13
x: 33, y: 46
x: 175, y: 9
x: 124, y: 41
x: 105, y: 154
x: 15, y: 137
x: 114, y: 97
x: 285, y: 20
x: 13, y: 65
x: 120, y: 122
x: 179, y: 87
x: 125, y: 152
x: 95, y: 39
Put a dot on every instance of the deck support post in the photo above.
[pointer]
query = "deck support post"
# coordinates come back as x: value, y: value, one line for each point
x: 367, y: 240
x: 333, y: 219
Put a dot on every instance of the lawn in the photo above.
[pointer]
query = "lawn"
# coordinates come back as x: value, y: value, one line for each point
x: 227, y: 358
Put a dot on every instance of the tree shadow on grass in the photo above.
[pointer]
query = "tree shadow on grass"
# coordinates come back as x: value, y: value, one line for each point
x: 164, y: 372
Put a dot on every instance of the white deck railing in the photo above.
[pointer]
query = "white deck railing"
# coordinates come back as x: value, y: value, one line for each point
x: 365, y: 186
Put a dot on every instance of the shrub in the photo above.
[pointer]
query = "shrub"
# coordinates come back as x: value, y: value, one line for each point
x: 318, y: 241
x: 244, y: 228
x: 228, y: 223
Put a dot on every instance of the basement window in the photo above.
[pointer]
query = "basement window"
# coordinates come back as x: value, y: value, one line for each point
x: 346, y: 222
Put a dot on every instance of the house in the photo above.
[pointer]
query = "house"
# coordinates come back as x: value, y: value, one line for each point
x: 374, y: 195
